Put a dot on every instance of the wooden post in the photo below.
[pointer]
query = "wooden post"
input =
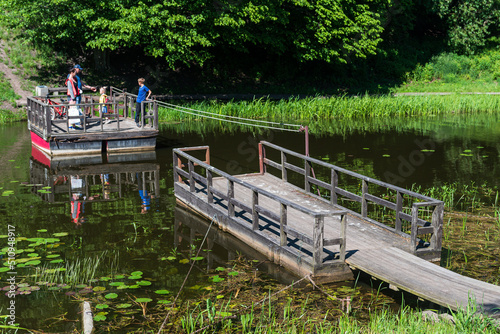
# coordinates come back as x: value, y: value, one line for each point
x: 283, y: 223
x: 191, y: 178
x: 318, y: 231
x: 414, y: 228
x: 437, y: 223
x: 117, y: 115
x: 262, y: 155
x: 155, y: 115
x: 307, y: 173
x: 210, y: 195
x: 399, y: 208
x: 255, y: 214
x: 207, y: 155
x: 126, y: 106
x: 343, y: 235
x: 230, y: 196
x: 334, y: 183
x: 87, y: 318
x: 284, y: 175
x: 364, y: 202
x: 48, y: 121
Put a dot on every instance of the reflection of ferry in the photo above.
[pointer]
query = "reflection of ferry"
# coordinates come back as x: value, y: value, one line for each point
x: 220, y: 246
x: 79, y: 179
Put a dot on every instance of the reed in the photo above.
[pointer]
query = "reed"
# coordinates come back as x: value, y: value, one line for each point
x: 319, y: 109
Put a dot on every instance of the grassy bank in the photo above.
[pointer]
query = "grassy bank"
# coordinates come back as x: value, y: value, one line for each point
x: 450, y: 72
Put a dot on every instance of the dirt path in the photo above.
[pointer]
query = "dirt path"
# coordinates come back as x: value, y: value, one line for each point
x: 15, y: 81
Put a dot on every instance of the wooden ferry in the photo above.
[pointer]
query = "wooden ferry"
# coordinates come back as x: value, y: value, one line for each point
x: 59, y: 129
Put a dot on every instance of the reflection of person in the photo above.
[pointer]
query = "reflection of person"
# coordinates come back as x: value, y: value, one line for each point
x: 106, y: 186
x: 77, y: 209
x: 144, y: 94
x: 78, y: 200
x: 144, y: 194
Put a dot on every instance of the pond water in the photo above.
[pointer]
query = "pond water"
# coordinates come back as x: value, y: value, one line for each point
x: 111, y: 225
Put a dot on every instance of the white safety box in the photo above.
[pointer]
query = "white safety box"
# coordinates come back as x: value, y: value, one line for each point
x: 41, y: 90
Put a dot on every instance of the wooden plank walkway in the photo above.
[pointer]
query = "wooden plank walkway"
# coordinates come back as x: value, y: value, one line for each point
x: 427, y: 280
x: 311, y: 235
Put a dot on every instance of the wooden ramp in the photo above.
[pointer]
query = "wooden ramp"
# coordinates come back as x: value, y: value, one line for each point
x: 426, y: 280
x: 312, y: 235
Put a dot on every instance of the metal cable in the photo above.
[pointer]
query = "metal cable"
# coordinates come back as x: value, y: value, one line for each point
x: 240, y: 123
x: 173, y: 106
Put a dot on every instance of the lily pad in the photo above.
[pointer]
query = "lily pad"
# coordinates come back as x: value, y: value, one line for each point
x: 60, y: 234
x: 52, y: 256
x: 99, y: 317
x: 163, y: 301
x: 111, y: 295
x: 162, y: 292
x: 143, y: 300
x: 124, y: 305
x: 144, y: 283
x: 116, y: 283
x: 102, y: 306
x: 136, y: 273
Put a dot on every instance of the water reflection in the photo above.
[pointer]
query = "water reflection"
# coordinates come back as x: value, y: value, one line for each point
x: 83, y: 181
x: 220, y: 247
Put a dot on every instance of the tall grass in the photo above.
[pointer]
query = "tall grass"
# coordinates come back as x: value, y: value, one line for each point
x: 314, y: 110
x: 269, y: 319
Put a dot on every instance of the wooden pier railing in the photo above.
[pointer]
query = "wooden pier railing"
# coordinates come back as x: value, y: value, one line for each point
x: 408, y: 205
x: 42, y: 115
x: 185, y: 172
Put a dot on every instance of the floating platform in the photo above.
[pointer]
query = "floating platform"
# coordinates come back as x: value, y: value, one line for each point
x: 52, y: 129
x: 326, y: 226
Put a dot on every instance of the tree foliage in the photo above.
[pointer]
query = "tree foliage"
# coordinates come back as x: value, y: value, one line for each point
x: 470, y: 22
x: 190, y: 31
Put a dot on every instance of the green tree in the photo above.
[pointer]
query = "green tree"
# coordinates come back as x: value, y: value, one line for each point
x: 470, y: 22
x: 189, y: 32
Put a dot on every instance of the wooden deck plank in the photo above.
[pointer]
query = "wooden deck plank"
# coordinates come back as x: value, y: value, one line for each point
x: 425, y: 279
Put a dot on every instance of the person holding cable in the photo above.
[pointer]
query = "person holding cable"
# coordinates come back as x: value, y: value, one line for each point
x: 144, y: 94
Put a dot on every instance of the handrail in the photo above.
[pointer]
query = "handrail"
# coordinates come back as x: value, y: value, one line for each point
x: 317, y: 242
x: 348, y: 172
x: 253, y: 188
x: 418, y: 225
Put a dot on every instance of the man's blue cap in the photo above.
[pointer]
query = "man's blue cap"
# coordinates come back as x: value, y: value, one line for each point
x: 77, y: 66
